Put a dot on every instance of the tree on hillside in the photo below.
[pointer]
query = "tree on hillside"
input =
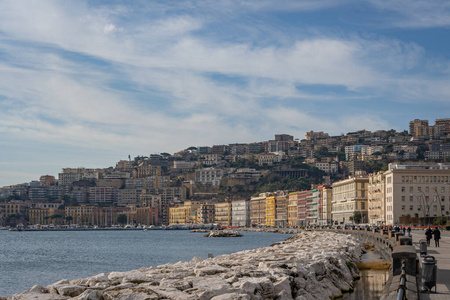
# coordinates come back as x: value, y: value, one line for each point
x: 273, y: 182
x: 373, y: 166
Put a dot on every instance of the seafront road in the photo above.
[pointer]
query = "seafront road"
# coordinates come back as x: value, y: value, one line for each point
x: 442, y: 255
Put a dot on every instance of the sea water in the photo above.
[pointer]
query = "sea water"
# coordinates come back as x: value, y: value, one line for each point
x: 44, y: 257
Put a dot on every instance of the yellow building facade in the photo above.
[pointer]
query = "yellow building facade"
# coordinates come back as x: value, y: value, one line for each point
x: 223, y: 213
x: 177, y: 215
x: 270, y: 211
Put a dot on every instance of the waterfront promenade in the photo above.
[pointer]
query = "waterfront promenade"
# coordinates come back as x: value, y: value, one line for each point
x: 442, y: 255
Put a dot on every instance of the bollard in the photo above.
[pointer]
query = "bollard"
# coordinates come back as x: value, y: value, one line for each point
x: 423, y: 247
x: 404, y: 240
x: 429, y: 273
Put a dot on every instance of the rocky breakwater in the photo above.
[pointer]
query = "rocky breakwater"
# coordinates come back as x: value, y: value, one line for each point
x: 223, y: 233
x: 309, y: 265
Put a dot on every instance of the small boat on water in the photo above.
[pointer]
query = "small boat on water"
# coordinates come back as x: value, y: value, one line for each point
x: 4, y: 228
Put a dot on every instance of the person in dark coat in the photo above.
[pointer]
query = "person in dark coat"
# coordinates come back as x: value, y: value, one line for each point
x: 429, y: 235
x: 437, y: 236
x: 409, y: 231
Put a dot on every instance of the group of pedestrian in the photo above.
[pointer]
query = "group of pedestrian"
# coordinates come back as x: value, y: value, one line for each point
x: 429, y: 233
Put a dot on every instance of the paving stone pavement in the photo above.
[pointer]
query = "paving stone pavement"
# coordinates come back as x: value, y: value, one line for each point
x: 442, y: 255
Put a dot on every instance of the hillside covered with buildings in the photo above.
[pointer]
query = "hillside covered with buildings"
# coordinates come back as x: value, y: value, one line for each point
x: 380, y: 178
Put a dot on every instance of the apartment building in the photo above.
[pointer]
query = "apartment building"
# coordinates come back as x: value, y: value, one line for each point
x: 417, y: 190
x: 177, y: 215
x: 125, y: 166
x: 292, y: 210
x: 350, y: 200
x: 281, y: 209
x: 38, y: 193
x: 270, y: 211
x: 146, y: 215
x: 302, y: 200
x: 46, y: 216
x: 102, y: 194
x: 146, y: 170
x: 81, y: 215
x: 240, y: 213
x: 12, y: 208
x: 269, y: 158
x: 421, y: 129
x: 191, y: 211
x: 376, y: 199
x: 258, y: 210
x: 223, y: 213
x: 328, y: 167
x: 148, y: 183
x: 206, y: 213
x: 316, y: 135
x: 128, y: 196
x: 324, y: 206
x: 312, y: 208
x: 445, y: 123
x: 46, y: 180
x: 211, y: 176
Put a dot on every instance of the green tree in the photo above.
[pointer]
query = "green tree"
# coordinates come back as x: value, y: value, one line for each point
x: 357, y: 217
x: 421, y: 149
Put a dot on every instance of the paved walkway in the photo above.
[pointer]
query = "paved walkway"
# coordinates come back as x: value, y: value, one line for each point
x: 442, y: 255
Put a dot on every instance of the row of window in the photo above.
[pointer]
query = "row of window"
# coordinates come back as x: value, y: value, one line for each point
x: 419, y: 208
x: 425, y: 179
x: 419, y: 189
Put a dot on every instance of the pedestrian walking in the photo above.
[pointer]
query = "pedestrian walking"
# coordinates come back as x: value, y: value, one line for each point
x: 429, y: 235
x: 409, y: 231
x: 403, y: 229
x: 437, y: 236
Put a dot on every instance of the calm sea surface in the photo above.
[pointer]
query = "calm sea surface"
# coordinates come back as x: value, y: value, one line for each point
x: 29, y: 258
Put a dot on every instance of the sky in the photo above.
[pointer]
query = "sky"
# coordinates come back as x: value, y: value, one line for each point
x: 87, y: 83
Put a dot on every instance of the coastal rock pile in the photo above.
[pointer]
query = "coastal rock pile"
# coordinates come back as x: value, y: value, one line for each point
x: 223, y: 233
x: 309, y: 265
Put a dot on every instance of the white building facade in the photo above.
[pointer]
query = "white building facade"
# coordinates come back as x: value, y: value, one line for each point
x: 240, y: 213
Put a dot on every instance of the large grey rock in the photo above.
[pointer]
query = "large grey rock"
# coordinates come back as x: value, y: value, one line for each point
x: 90, y: 295
x: 70, y: 290
x: 232, y: 296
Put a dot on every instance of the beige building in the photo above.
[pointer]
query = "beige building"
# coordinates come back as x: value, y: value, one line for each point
x: 80, y: 214
x: 377, y: 199
x: 350, y: 200
x: 325, y: 200
x: 417, y: 191
x: 258, y: 210
x: 223, y: 213
x: 292, y: 210
x: 12, y: 208
x: 281, y: 209
x: 46, y: 216
x: 191, y: 211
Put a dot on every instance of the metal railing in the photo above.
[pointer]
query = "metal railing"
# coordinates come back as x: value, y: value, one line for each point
x: 402, y: 286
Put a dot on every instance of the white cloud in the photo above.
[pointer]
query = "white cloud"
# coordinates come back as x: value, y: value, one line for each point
x: 93, y: 78
x: 416, y: 14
